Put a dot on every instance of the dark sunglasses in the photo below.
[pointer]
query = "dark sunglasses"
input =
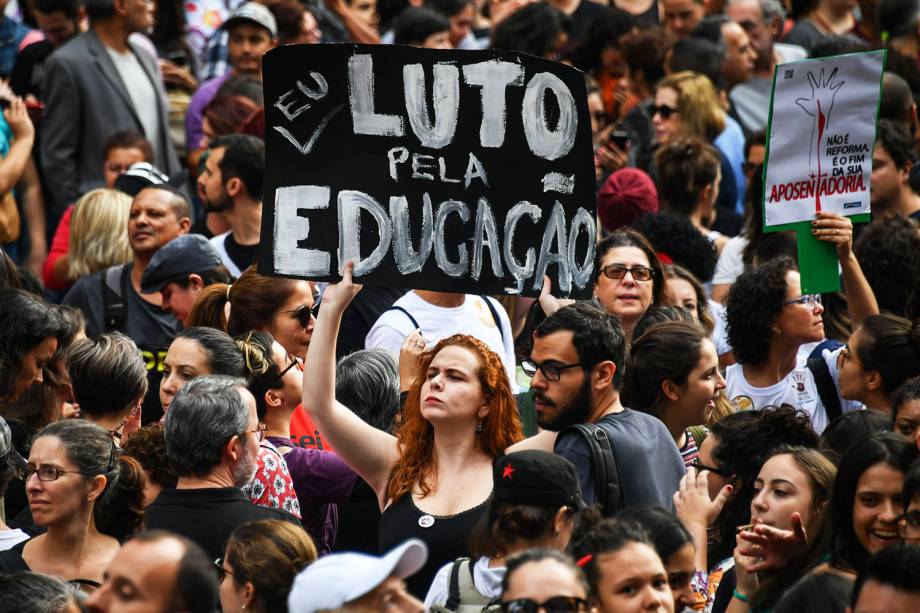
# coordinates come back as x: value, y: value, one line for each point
x: 295, y: 363
x: 557, y: 604
x: 304, y: 313
x: 663, y: 110
x: 221, y: 571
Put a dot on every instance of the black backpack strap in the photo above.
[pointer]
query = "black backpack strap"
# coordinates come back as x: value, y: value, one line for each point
x: 114, y: 291
x: 453, y: 584
x: 827, y: 391
x: 408, y: 314
x: 607, y: 489
x: 498, y: 322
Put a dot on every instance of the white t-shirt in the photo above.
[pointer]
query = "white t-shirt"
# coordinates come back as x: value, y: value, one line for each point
x: 719, y: 331
x: 730, y: 264
x: 488, y: 582
x: 12, y: 537
x: 142, y: 92
x: 472, y: 317
x: 798, y: 389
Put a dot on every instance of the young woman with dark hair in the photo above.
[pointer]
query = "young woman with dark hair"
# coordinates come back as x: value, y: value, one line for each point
x: 716, y: 494
x: 674, y: 546
x: 879, y: 357
x: 905, y: 408
x: 30, y: 331
x: 622, y: 567
x: 433, y: 478
x: 674, y: 375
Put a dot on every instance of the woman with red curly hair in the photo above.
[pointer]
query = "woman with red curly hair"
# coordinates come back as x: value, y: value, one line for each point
x: 434, y: 477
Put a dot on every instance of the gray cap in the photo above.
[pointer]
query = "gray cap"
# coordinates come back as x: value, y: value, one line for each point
x: 176, y: 260
x: 255, y: 13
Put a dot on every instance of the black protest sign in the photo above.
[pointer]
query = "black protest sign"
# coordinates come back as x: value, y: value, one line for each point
x: 463, y: 171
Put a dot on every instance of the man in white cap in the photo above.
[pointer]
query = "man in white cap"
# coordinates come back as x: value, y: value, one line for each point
x: 360, y: 582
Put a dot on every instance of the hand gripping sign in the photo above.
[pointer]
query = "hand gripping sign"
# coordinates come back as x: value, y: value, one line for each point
x: 465, y: 171
x: 819, y: 150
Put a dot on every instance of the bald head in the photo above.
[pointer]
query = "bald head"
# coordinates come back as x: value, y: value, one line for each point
x: 157, y: 572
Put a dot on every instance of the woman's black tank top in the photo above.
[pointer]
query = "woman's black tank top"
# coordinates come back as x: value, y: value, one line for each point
x: 446, y: 537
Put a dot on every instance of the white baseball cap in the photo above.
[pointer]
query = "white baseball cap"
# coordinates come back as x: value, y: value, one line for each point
x: 340, y: 578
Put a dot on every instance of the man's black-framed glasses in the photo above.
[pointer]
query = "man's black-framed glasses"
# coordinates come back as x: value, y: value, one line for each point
x: 552, y: 371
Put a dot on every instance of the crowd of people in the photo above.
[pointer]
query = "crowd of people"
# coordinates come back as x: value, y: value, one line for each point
x: 179, y: 433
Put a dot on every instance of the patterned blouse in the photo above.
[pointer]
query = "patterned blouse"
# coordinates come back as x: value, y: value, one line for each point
x: 272, y: 486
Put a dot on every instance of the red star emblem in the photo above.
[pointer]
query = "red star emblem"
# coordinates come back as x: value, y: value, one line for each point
x: 506, y: 473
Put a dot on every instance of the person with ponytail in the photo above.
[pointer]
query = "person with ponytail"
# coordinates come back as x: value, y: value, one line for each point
x: 879, y: 357
x: 87, y: 496
x: 688, y: 184
x: 282, y: 307
x: 674, y: 375
x: 321, y: 479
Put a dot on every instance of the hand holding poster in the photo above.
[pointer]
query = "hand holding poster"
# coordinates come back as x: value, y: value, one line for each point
x: 464, y: 171
x: 821, y: 135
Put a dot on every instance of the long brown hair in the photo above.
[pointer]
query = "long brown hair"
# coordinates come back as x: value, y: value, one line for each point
x: 254, y: 301
x: 501, y: 427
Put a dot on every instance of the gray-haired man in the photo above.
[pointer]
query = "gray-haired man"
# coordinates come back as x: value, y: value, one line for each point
x: 212, y: 440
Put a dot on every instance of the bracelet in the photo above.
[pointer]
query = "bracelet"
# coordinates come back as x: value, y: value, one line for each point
x: 740, y: 596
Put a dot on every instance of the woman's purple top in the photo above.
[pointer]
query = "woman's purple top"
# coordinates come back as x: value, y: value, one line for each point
x: 321, y: 480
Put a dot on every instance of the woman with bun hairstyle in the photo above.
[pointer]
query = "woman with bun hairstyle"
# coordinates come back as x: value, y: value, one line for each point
x: 321, y: 479
x: 87, y: 496
x: 281, y: 307
x: 879, y: 357
x: 688, y: 183
x: 674, y: 375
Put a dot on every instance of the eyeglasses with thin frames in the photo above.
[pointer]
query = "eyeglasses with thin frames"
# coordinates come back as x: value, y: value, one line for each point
x: 260, y: 432
x: 809, y: 300
x: 552, y: 371
x: 49, y: 473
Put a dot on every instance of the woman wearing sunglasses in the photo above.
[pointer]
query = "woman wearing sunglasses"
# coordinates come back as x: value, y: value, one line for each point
x: 547, y: 580
x: 773, y: 327
x: 260, y: 564
x: 687, y: 106
x: 321, y: 479
x: 282, y: 307
x: 433, y: 478
x: 87, y: 496
x: 629, y: 277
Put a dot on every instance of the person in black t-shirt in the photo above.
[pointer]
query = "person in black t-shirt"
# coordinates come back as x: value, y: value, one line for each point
x: 231, y: 183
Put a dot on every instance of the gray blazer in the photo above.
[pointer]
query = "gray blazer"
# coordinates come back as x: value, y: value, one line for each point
x: 85, y: 103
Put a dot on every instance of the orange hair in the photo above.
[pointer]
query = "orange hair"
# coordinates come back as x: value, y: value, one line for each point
x: 501, y: 427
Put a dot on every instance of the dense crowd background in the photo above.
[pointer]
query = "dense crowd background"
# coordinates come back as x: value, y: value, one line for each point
x: 181, y: 433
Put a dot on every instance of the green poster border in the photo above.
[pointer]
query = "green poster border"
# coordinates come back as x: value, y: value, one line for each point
x: 817, y: 259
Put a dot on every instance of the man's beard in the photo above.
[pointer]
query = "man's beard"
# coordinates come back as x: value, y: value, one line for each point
x: 218, y: 205
x: 576, y: 411
x: 245, y: 470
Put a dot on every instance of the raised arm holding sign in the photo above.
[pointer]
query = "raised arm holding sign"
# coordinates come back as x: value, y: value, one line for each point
x: 819, y: 159
x: 463, y: 171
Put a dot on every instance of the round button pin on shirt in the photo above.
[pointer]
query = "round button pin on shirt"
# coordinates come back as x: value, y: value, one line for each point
x: 426, y: 521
